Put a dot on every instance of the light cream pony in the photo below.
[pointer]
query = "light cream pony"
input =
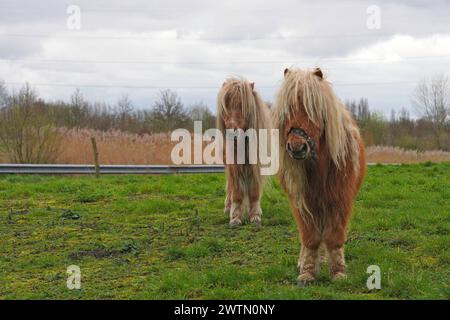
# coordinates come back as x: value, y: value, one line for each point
x: 239, y: 106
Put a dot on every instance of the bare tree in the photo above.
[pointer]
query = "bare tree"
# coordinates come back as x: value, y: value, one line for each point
x: 363, y: 109
x: 352, y: 107
x: 431, y: 99
x: 359, y: 109
x: 393, y: 117
x: 79, y: 110
x: 27, y: 132
x: 404, y: 115
x: 168, y: 112
x: 3, y: 95
x: 201, y: 112
x: 124, y: 110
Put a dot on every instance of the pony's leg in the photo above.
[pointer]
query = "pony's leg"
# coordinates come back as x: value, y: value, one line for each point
x: 255, y: 210
x: 227, y: 207
x: 323, y: 254
x: 308, y: 262
x: 334, y: 237
x: 237, y: 209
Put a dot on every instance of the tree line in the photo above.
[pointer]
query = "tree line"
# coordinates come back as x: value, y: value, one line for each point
x: 430, y: 131
x: 31, y: 129
x: 165, y: 114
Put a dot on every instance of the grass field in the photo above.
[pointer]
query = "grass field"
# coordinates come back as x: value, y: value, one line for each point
x: 165, y: 237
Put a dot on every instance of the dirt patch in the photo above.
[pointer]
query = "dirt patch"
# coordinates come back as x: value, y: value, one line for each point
x: 20, y: 212
x: 104, y: 252
x: 69, y: 214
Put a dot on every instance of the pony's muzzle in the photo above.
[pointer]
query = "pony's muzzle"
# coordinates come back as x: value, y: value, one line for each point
x: 298, y: 152
x: 235, y: 125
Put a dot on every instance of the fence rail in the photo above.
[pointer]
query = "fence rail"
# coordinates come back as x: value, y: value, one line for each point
x: 112, y: 169
x: 106, y: 169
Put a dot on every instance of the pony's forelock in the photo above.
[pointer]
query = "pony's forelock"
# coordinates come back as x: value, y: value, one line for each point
x: 303, y: 89
x: 240, y: 91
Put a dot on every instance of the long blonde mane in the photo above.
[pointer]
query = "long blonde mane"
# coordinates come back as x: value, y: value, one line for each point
x: 304, y: 89
x: 239, y: 91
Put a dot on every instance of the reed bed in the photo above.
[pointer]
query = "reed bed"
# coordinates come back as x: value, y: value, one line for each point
x: 387, y: 154
x: 116, y: 147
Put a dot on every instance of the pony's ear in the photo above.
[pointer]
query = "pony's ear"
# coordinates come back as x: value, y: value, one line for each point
x: 317, y: 72
x: 286, y: 71
x: 223, y: 84
x: 252, y: 84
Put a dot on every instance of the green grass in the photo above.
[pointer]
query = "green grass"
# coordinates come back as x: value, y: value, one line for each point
x: 165, y: 237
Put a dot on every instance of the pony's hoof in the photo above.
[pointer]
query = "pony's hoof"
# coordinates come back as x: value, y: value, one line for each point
x: 339, y: 276
x: 256, y: 220
x: 236, y: 222
x: 305, y: 279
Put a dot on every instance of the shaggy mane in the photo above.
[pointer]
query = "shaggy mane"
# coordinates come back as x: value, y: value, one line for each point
x: 303, y: 89
x: 239, y: 91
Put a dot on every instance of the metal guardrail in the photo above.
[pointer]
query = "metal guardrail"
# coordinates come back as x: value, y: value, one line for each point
x: 106, y: 169
x: 113, y: 169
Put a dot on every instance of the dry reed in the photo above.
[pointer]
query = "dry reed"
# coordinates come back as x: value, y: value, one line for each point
x: 116, y: 147
x: 386, y: 154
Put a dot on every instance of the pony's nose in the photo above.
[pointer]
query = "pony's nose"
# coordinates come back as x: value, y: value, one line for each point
x: 303, y: 148
x: 234, y: 125
x: 298, y: 153
x: 289, y: 147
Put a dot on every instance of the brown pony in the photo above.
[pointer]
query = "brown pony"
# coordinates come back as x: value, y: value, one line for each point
x: 322, y: 166
x: 239, y: 106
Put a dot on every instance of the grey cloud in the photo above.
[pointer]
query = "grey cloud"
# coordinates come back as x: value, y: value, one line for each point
x: 12, y: 48
x: 281, y: 32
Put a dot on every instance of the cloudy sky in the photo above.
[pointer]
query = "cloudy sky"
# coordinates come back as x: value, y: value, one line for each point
x: 140, y: 47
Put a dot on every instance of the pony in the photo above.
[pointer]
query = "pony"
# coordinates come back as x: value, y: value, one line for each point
x: 322, y: 166
x: 239, y: 106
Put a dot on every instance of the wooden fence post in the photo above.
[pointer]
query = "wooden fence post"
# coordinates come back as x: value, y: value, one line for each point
x: 97, y: 164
